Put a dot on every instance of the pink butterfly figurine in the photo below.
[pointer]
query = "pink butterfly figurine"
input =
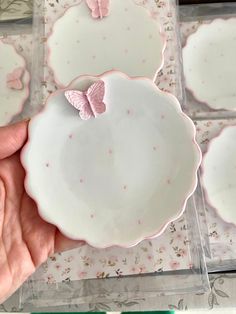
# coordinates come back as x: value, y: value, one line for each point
x: 90, y: 103
x: 99, y: 8
x: 14, y: 79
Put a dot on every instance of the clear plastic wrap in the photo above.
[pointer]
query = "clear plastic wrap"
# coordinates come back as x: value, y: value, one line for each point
x: 209, y: 123
x: 174, y: 262
x: 191, y: 17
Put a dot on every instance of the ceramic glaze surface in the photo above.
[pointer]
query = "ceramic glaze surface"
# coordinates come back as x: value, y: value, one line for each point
x: 219, y: 174
x: 210, y: 64
x: 128, y: 39
x: 117, y: 178
x: 14, y: 83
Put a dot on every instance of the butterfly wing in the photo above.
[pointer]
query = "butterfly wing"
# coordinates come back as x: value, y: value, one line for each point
x: 105, y: 7
x: 99, y: 8
x: 14, y: 79
x: 15, y: 84
x: 95, y: 95
x: 80, y: 102
x: 18, y: 72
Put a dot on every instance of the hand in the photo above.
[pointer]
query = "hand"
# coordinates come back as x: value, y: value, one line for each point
x: 26, y: 241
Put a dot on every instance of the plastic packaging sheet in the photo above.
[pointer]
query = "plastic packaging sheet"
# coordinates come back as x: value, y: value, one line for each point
x: 39, y: 292
x: 16, y: 41
x: 174, y: 262
x: 209, y: 123
x: 191, y: 17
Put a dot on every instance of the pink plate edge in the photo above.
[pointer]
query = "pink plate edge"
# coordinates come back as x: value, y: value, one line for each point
x: 184, y: 47
x: 203, y: 171
x: 28, y: 78
x: 48, y: 49
x: 187, y: 196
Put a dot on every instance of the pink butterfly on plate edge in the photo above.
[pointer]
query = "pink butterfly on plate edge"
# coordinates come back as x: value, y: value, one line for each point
x: 89, y: 103
x: 14, y: 79
x: 99, y: 8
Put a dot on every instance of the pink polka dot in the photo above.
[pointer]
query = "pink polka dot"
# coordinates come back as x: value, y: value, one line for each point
x: 110, y: 152
x: 70, y: 136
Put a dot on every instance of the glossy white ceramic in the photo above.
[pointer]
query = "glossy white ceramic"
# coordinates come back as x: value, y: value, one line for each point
x: 219, y: 174
x: 210, y: 64
x: 118, y: 178
x: 128, y: 39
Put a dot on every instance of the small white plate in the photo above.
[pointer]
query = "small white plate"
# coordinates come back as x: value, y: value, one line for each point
x: 118, y: 178
x: 128, y: 40
x: 210, y: 64
x: 219, y: 174
x: 11, y: 99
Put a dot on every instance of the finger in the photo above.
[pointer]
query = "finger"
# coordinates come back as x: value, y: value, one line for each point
x: 12, y: 138
x: 63, y: 243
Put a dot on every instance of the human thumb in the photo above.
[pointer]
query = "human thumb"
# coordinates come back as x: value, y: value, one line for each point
x: 12, y: 138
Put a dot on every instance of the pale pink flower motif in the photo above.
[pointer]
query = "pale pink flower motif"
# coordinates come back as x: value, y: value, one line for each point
x: 133, y: 269
x: 179, y: 236
x: 82, y: 274
x: 174, y: 265
x: 57, y: 266
x: 162, y: 249
x: 142, y: 269
x: 50, y: 279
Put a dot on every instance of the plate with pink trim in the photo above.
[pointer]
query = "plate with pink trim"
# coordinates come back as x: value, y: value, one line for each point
x: 210, y: 64
x: 219, y: 174
x: 14, y: 83
x: 121, y: 36
x: 111, y: 160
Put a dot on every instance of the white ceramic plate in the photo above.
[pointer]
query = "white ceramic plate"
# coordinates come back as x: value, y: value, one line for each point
x: 118, y: 178
x: 128, y: 39
x: 219, y: 174
x: 11, y: 99
x: 210, y: 64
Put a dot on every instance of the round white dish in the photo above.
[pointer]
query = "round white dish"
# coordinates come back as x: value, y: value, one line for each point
x: 14, y: 83
x: 128, y: 40
x: 210, y: 64
x: 219, y: 174
x: 118, y: 178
